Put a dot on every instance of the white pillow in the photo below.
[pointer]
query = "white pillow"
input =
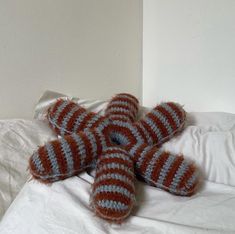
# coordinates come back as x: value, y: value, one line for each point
x: 209, y: 137
x: 50, y: 97
x: 212, y: 121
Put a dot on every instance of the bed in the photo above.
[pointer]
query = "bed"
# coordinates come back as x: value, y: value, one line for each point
x: 27, y: 206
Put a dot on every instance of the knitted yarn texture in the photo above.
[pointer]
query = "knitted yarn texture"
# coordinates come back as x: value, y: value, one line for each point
x: 119, y: 147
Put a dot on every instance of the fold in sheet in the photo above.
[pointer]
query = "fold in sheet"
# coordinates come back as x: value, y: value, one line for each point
x: 18, y: 139
x: 64, y: 207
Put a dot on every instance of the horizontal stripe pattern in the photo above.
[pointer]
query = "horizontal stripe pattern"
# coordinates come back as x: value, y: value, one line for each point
x: 122, y: 107
x: 66, y: 117
x: 62, y: 158
x: 113, y: 194
x: 159, y: 125
x: 162, y: 123
x: 167, y: 171
x: 119, y: 144
x: 112, y: 205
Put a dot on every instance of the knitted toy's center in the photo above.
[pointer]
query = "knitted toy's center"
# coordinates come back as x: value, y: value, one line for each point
x: 117, y: 143
x: 118, y: 138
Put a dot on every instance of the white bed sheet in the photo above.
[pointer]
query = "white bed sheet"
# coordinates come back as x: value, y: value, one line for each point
x: 63, y: 208
x: 18, y: 139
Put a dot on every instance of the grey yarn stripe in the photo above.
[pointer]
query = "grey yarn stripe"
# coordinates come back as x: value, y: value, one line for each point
x: 81, y: 148
x: 129, y: 126
x: 115, y: 176
x: 78, y: 121
x: 113, y: 189
x: 92, y: 121
x: 37, y: 162
x: 188, y: 185
x: 67, y: 154
x: 124, y: 117
x: 111, y: 109
x: 119, y: 109
x: 114, y: 205
x: 180, y: 172
x: 115, y: 148
x: 124, y: 103
x: 152, y: 164
x: 165, y: 169
x: 53, y: 159
x: 99, y: 131
x: 103, y: 125
x: 66, y: 120
x: 172, y: 113
x: 192, y: 179
x: 101, y: 138
x: 155, y: 129
x: 59, y: 110
x: 133, y: 150
x: 92, y: 140
x: 127, y: 97
x: 116, y: 155
x: 164, y: 120
x: 146, y: 133
x: 109, y: 166
x: 143, y: 155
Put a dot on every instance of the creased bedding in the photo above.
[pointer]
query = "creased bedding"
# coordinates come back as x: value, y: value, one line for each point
x: 63, y: 207
x: 211, y: 144
x: 18, y: 139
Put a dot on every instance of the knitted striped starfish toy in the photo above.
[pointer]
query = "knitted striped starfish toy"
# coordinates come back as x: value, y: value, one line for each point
x: 118, y: 147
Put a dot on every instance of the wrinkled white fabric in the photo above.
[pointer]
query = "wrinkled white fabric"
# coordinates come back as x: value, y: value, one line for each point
x: 49, y: 98
x: 64, y: 207
x: 212, y: 121
x: 18, y: 139
x: 212, y: 149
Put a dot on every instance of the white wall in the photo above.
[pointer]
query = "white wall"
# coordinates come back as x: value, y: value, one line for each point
x: 189, y: 53
x: 87, y: 48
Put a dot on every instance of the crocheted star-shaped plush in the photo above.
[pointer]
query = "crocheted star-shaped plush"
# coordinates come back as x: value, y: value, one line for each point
x: 118, y: 147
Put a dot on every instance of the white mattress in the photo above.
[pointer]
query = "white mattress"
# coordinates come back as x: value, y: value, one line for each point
x: 63, y: 207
